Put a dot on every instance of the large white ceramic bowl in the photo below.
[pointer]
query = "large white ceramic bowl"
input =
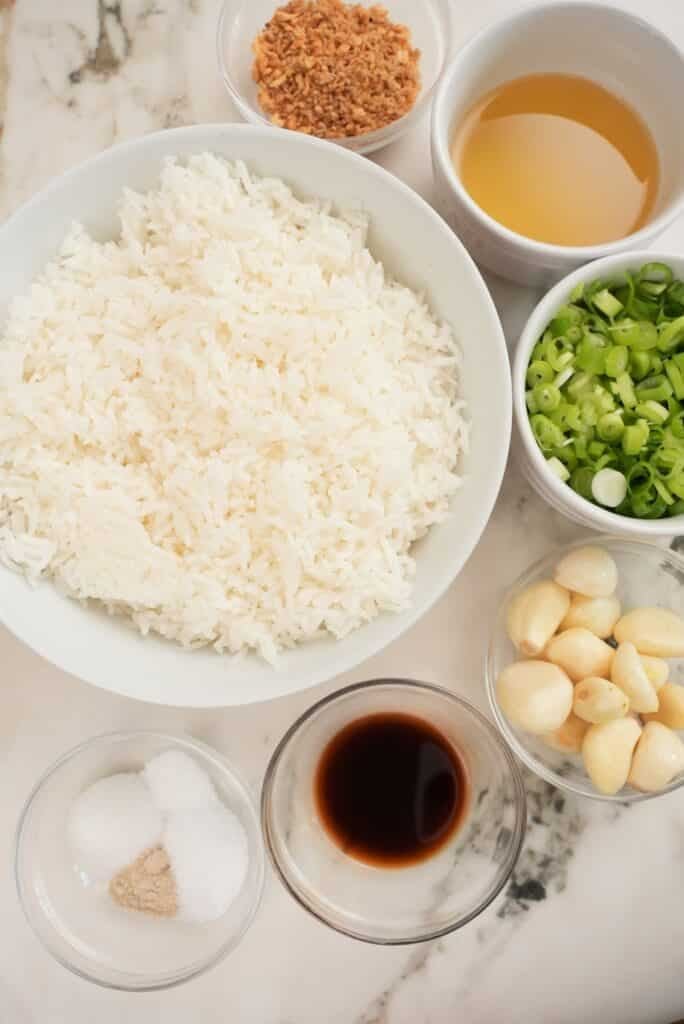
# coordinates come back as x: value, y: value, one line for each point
x: 417, y: 247
x: 612, y: 47
x: 525, y: 448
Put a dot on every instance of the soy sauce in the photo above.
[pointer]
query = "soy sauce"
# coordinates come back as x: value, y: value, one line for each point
x: 390, y: 789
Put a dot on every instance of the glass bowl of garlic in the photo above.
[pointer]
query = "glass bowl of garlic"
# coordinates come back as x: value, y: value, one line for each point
x: 139, y: 860
x: 585, y: 669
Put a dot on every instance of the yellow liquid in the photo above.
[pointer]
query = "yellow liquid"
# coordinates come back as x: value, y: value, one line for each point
x: 559, y: 159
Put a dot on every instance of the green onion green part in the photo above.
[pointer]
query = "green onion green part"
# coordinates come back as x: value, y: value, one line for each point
x: 605, y: 392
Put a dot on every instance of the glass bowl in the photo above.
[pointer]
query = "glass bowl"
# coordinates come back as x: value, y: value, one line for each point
x: 240, y: 21
x: 80, y: 926
x: 647, y: 575
x: 394, y: 905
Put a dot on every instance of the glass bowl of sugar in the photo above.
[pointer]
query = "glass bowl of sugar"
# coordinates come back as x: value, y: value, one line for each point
x: 139, y: 860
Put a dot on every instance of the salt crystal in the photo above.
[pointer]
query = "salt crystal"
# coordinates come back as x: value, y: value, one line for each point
x: 111, y: 823
x: 208, y: 851
x: 178, y: 783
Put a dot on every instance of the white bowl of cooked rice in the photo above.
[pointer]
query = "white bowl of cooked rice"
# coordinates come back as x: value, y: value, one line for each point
x: 255, y: 410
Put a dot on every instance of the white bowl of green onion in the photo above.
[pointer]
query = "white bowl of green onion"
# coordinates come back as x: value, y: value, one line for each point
x: 598, y: 395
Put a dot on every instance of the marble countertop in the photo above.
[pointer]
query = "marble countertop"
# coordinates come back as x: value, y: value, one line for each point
x: 591, y: 928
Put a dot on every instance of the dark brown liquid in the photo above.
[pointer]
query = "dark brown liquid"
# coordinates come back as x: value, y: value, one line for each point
x: 390, y: 789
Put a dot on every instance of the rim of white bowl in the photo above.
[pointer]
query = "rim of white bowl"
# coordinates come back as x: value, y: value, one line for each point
x: 367, y: 142
x: 120, y: 980
x: 441, y: 135
x: 599, y: 518
x: 631, y: 796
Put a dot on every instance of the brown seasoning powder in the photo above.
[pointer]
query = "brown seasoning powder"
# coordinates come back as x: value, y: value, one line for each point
x: 147, y: 884
x: 334, y: 70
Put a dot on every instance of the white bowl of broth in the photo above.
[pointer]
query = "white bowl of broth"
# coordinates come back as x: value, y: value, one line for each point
x: 556, y: 139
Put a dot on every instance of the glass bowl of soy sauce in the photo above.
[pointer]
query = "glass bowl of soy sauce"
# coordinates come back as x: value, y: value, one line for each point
x: 393, y: 811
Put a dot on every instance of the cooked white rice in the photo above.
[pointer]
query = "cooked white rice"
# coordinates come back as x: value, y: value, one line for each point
x: 228, y: 424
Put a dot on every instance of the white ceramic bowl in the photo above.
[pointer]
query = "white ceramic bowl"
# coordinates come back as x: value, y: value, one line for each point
x: 610, y: 46
x: 527, y: 452
x: 416, y: 246
x: 432, y: 32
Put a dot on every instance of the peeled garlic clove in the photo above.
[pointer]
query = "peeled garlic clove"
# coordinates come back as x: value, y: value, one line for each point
x: 671, y: 707
x: 568, y: 737
x: 580, y: 653
x: 628, y: 672
x: 596, y: 700
x: 535, y: 614
x: 656, y: 631
x: 597, y: 614
x: 656, y: 669
x: 588, y: 571
x: 535, y: 695
x: 607, y: 753
x: 658, y: 757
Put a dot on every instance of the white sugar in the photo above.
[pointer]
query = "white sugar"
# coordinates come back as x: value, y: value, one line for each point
x: 207, y: 848
x: 178, y: 783
x: 111, y: 823
x: 172, y: 802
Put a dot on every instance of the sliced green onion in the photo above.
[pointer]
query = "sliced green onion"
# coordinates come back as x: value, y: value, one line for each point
x: 632, y: 440
x: 538, y: 372
x: 652, y: 411
x: 676, y: 378
x: 656, y: 436
x: 580, y: 481
x: 558, y: 353
x: 557, y: 467
x: 547, y: 397
x: 567, y: 417
x: 651, y: 290
x: 589, y: 411
x: 676, y: 484
x: 607, y: 459
x: 581, y: 384
x: 646, y: 336
x: 655, y: 273
x: 607, y: 304
x: 624, y: 331
x: 610, y: 426
x: 604, y: 400
x: 667, y: 462
x: 591, y: 354
x: 663, y: 492
x: 675, y: 293
x: 605, y: 392
x: 616, y: 361
x: 564, y: 376
x: 609, y: 487
x: 565, y: 318
x: 539, y: 350
x: 547, y: 434
x: 677, y: 425
x: 648, y: 505
x: 639, y: 364
x: 671, y: 335
x: 657, y: 389
x: 566, y: 455
x: 625, y: 390
x: 639, y: 477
